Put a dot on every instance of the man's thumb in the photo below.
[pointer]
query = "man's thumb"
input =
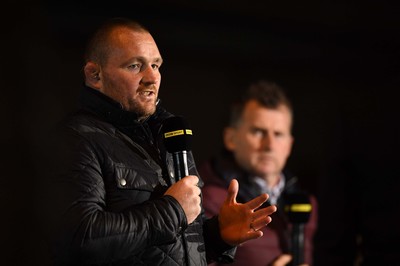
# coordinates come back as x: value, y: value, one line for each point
x: 232, y: 191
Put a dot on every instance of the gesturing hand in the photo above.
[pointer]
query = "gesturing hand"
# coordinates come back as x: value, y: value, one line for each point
x: 187, y: 193
x: 241, y: 222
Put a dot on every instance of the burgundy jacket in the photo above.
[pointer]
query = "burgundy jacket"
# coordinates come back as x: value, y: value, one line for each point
x: 217, y: 174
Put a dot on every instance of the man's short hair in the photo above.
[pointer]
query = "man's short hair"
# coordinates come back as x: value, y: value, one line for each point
x: 98, y: 45
x: 266, y: 93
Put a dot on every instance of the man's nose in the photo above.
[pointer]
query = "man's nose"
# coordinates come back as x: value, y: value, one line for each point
x: 150, y: 76
x: 267, y: 142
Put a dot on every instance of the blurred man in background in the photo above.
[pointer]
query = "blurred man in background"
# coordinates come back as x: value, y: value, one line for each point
x: 257, y: 142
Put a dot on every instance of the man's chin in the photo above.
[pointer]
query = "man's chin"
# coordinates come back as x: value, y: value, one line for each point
x: 146, y: 113
x: 266, y: 171
x: 143, y: 110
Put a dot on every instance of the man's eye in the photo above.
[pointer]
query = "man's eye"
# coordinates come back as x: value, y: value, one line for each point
x: 258, y: 132
x: 134, y: 66
x: 155, y: 66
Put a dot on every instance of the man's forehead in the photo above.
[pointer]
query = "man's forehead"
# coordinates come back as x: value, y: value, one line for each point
x: 134, y: 44
x: 123, y: 34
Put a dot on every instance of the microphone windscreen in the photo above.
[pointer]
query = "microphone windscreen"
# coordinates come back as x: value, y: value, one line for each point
x: 177, y: 134
x: 298, y: 207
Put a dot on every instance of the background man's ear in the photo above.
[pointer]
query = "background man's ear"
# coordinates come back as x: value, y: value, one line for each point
x: 229, y: 138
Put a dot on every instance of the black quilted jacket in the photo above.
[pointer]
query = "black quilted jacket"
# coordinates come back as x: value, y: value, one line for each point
x: 105, y: 196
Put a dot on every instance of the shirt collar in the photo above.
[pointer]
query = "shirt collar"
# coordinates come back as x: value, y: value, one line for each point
x: 273, y: 192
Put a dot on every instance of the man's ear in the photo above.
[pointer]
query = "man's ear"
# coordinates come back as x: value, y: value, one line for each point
x: 229, y: 138
x: 291, y: 144
x: 92, y: 75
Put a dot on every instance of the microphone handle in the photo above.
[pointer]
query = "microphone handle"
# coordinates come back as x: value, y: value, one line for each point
x: 180, y: 165
x: 298, y: 244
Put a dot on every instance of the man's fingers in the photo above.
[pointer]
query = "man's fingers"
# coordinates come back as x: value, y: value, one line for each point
x: 264, y: 212
x: 253, y: 235
x: 232, y: 191
x: 260, y: 223
x: 262, y: 217
x: 192, y: 179
x: 257, y: 202
x: 283, y: 259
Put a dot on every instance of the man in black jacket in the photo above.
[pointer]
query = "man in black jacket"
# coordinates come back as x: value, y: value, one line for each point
x: 112, y: 199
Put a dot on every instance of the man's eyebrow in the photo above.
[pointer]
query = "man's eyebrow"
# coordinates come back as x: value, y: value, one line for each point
x: 159, y: 60
x: 258, y: 128
x: 143, y: 59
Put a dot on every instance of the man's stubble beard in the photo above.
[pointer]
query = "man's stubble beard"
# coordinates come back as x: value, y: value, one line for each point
x: 141, y: 111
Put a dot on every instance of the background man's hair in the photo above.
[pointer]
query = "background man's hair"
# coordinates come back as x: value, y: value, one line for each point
x: 266, y: 93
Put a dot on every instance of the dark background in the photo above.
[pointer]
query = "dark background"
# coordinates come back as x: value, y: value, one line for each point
x: 338, y: 61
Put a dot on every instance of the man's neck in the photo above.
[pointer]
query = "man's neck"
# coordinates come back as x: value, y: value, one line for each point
x: 272, y: 180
